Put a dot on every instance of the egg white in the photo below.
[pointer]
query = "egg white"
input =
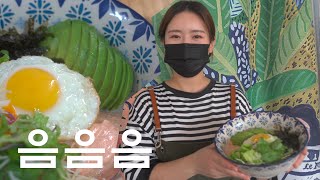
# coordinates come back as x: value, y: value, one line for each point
x: 269, y: 139
x: 78, y: 103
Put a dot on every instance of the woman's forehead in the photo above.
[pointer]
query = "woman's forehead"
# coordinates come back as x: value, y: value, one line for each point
x: 186, y: 22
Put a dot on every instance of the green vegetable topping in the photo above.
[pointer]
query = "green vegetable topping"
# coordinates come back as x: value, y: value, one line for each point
x: 240, y: 137
x: 15, y: 136
x: 252, y: 157
x: 4, y: 56
x: 261, y: 152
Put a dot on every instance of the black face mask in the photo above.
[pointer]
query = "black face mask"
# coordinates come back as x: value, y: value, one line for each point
x: 187, y: 59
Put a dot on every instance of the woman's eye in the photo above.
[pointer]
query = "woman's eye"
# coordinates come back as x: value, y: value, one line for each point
x: 197, y: 37
x: 174, y: 36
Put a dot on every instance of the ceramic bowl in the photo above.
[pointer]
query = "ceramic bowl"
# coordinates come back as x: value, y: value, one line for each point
x: 125, y: 29
x: 268, y: 121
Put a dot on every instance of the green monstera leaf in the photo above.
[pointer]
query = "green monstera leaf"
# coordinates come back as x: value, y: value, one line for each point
x: 224, y: 60
x: 291, y: 39
x: 281, y: 85
x: 220, y: 11
x: 245, y: 7
x: 270, y: 23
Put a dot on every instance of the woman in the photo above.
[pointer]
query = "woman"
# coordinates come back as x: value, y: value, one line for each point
x: 190, y: 107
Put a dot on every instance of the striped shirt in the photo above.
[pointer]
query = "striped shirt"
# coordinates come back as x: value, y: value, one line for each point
x: 188, y: 117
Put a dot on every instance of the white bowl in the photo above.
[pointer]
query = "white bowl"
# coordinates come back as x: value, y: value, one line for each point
x: 268, y: 121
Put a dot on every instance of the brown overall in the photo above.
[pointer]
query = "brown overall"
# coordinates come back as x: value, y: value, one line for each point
x: 169, y: 151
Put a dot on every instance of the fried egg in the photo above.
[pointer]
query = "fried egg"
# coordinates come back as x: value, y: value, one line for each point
x: 36, y: 83
x: 255, y: 138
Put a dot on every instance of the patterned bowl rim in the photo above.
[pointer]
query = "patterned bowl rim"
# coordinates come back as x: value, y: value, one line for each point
x: 292, y: 156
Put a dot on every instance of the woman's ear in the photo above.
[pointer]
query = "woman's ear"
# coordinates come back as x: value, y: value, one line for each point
x: 211, y: 46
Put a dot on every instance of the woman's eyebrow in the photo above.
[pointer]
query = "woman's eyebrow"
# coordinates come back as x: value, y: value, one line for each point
x: 174, y: 31
x: 197, y: 31
x: 192, y: 31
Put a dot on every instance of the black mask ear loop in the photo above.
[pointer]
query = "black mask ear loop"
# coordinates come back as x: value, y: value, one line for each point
x: 213, y: 44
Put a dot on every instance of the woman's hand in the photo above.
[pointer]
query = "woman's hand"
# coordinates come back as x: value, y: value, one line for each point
x: 205, y: 161
x: 208, y: 162
x: 304, y: 153
x: 299, y: 159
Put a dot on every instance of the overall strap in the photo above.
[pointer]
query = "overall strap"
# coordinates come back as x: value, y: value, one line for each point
x: 155, y: 109
x: 233, y: 112
x: 156, y: 117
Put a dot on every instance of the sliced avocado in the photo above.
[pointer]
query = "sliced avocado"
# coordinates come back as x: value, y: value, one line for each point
x: 101, y: 65
x: 114, y: 82
x: 75, y: 38
x: 118, y: 80
x: 108, y: 78
x: 131, y: 80
x: 121, y: 85
x: 63, y: 33
x: 82, y: 56
x: 52, y: 42
x: 128, y: 82
x: 93, y: 53
x: 82, y: 48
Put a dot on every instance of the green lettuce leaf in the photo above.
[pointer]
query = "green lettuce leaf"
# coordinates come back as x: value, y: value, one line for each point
x: 15, y: 136
x: 240, y: 137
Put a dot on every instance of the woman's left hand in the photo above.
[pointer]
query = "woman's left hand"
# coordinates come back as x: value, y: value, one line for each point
x: 304, y: 153
x: 299, y: 159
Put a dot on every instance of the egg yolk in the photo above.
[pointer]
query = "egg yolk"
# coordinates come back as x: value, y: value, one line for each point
x: 33, y: 89
x: 257, y: 137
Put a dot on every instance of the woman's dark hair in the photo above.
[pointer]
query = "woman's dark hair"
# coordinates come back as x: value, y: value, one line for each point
x: 191, y: 6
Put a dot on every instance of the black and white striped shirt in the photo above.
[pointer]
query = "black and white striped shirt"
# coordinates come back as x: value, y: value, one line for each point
x: 183, y: 116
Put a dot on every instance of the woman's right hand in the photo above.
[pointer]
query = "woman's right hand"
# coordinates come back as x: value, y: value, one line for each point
x: 207, y: 161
